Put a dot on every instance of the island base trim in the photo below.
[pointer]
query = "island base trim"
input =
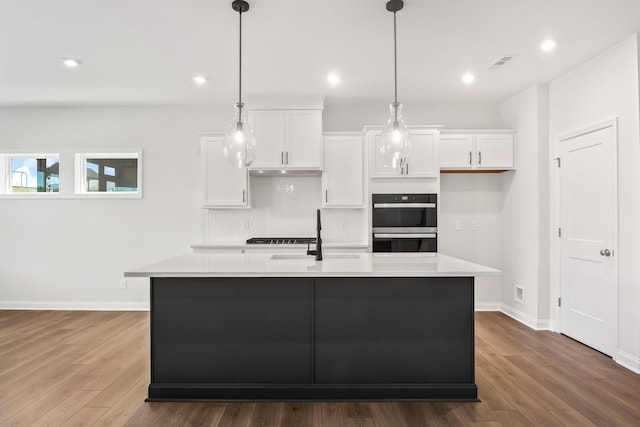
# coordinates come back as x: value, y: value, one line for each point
x: 316, y: 392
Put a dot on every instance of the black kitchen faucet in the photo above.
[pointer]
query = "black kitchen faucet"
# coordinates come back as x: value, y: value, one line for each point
x: 318, y: 251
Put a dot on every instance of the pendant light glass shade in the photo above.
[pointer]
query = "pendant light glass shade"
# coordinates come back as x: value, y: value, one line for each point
x: 239, y: 145
x: 395, y: 141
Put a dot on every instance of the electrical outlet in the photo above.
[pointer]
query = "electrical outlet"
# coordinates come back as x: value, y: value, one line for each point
x: 458, y: 224
x: 518, y: 294
x: 474, y: 225
x: 123, y: 284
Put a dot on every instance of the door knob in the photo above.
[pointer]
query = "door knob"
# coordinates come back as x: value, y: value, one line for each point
x: 605, y: 252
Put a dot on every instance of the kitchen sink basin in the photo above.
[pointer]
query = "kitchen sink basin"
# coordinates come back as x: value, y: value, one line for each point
x: 284, y: 257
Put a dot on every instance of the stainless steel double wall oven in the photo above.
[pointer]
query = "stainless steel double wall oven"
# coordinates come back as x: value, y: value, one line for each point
x: 405, y: 222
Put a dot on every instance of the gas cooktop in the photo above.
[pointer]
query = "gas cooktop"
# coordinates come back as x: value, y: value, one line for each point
x: 281, y: 240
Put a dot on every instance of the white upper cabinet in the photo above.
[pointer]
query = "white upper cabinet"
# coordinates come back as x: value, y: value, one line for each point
x: 456, y: 151
x: 304, y: 139
x: 224, y: 184
x: 493, y: 150
x: 269, y: 130
x: 343, y: 175
x: 287, y: 139
x: 423, y: 162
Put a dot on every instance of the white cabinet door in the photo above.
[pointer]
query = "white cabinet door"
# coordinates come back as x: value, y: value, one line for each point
x: 303, y: 148
x: 287, y: 138
x: 342, y: 178
x: 495, y: 151
x: 378, y: 168
x: 456, y: 151
x: 269, y: 130
x: 224, y: 185
x: 423, y: 162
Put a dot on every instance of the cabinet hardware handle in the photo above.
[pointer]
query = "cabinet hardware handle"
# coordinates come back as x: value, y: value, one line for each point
x: 326, y: 196
x: 407, y: 168
x: 243, y: 195
x: 469, y: 158
x: 287, y: 158
x: 282, y: 158
x: 479, y: 157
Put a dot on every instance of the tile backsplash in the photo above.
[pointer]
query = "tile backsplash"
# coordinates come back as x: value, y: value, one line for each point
x: 286, y: 207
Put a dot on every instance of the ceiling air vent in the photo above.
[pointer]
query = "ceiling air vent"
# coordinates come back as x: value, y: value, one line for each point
x: 501, y: 62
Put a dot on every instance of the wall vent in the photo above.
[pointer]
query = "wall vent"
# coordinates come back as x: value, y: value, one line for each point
x: 501, y: 62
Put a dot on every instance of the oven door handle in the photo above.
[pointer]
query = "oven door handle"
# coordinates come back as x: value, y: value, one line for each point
x: 404, y: 236
x: 404, y: 205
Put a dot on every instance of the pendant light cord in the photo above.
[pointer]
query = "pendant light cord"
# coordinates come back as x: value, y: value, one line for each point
x: 395, y: 59
x: 240, y: 62
x: 395, y: 68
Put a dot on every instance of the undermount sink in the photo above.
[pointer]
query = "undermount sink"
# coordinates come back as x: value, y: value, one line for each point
x: 283, y: 257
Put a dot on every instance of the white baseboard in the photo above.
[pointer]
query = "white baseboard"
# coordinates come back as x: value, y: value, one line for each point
x: 627, y: 360
x: 488, y: 306
x: 525, y: 319
x: 76, y: 305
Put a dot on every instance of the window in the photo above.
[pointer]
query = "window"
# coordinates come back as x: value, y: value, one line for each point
x: 31, y: 173
x: 111, y: 174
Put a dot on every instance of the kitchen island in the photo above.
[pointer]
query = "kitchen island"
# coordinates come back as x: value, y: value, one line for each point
x: 287, y: 327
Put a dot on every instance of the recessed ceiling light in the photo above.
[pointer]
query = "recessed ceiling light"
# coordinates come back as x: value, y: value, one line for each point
x: 334, y: 79
x: 70, y: 62
x: 468, y: 78
x: 199, y: 79
x: 548, y: 45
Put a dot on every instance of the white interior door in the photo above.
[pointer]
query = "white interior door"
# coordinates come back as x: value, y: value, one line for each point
x: 588, y: 199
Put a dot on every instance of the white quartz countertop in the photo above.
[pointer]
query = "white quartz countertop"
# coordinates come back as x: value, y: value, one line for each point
x: 299, y: 265
x: 244, y: 245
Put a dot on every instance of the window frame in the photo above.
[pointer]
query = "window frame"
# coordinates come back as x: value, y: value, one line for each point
x: 5, y: 174
x: 80, y: 177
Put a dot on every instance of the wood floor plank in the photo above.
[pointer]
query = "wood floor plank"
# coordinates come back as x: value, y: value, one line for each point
x: 443, y: 414
x: 60, y: 370
x: 34, y: 383
x: 203, y: 414
x: 28, y: 411
x: 85, y: 417
x: 123, y: 410
x: 330, y: 414
x: 66, y: 409
x: 572, y: 419
x: 297, y: 414
x: 110, y: 395
x: 266, y: 414
x: 237, y: 414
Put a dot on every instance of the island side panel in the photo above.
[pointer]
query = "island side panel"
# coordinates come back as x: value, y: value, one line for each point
x: 395, y: 331
x: 231, y: 330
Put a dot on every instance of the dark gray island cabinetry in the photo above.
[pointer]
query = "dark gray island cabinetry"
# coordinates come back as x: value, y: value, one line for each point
x: 343, y: 329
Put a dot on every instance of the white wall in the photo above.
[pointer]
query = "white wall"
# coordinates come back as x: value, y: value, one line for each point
x: 525, y: 212
x: 355, y: 114
x: 601, y: 89
x: 474, y: 197
x: 74, y: 251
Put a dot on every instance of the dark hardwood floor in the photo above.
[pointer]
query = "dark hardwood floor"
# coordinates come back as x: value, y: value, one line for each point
x: 91, y: 368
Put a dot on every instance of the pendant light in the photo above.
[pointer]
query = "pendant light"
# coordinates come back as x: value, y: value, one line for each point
x: 395, y: 146
x: 239, y: 142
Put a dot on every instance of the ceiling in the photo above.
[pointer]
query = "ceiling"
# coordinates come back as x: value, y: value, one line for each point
x: 147, y: 51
